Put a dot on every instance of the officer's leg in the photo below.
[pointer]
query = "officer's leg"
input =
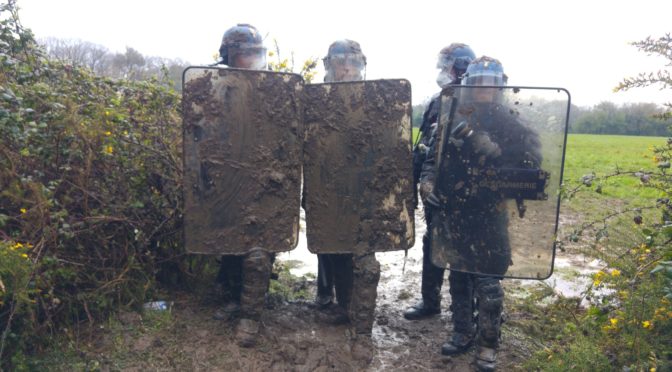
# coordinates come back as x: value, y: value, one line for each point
x: 325, y: 280
x: 230, y: 280
x: 490, y: 305
x: 341, y: 265
x: 343, y: 278
x: 462, y: 308
x: 432, y: 280
x: 257, y: 265
x: 361, y: 311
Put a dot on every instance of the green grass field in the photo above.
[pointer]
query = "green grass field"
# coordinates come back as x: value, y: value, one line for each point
x: 606, y: 154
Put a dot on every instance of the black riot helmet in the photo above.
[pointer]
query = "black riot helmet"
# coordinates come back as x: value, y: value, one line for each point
x: 452, y: 63
x: 344, y: 61
x: 243, y: 47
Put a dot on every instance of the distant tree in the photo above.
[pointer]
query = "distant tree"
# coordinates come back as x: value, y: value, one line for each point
x: 418, y: 110
x: 129, y: 64
x: 78, y: 53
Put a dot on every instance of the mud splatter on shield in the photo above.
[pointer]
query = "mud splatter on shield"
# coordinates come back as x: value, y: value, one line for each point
x: 499, y: 170
x: 358, y: 167
x: 243, y: 134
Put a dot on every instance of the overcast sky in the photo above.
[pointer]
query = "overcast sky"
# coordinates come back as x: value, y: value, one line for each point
x: 582, y: 46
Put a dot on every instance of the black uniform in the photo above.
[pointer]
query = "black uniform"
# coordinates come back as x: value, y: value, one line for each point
x: 432, y: 276
x: 478, y: 221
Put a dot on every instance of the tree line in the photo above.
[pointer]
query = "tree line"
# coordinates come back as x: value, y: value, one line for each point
x: 130, y: 65
x: 636, y: 119
x: 631, y: 119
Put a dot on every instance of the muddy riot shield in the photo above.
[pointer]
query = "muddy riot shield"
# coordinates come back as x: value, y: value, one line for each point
x: 499, y: 161
x: 358, y: 167
x: 243, y: 133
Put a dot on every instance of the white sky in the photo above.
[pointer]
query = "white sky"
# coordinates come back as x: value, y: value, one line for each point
x: 578, y: 45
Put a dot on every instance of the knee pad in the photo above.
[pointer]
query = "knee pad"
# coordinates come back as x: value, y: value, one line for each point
x: 490, y: 294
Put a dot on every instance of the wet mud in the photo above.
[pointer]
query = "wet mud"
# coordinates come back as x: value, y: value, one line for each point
x: 243, y: 134
x: 358, y: 166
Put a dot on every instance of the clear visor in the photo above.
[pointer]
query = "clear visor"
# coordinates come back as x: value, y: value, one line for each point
x: 480, y: 94
x: 250, y: 56
x: 493, y: 80
x: 352, y: 60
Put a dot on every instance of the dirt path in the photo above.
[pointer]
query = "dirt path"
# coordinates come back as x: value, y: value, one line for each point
x: 295, y: 335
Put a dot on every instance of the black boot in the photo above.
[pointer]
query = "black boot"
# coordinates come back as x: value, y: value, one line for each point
x: 420, y: 311
x: 458, y: 344
x: 485, y: 359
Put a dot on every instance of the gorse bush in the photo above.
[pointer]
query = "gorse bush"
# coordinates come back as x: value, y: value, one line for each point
x: 628, y: 325
x: 90, y: 198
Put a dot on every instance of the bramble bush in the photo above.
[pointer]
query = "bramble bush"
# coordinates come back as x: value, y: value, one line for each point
x: 628, y: 325
x: 90, y: 195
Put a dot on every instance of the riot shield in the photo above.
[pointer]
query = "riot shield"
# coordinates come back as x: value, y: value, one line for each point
x: 243, y: 133
x: 358, y: 167
x: 499, y: 163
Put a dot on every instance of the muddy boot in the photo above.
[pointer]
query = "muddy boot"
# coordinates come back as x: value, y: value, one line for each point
x: 485, y: 359
x: 227, y: 312
x: 247, y: 331
x: 458, y: 344
x: 332, y: 314
x: 421, y: 311
x: 323, y: 301
x: 362, y: 348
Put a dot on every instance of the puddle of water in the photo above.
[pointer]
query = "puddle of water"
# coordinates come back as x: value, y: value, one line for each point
x: 306, y: 262
x: 571, y: 277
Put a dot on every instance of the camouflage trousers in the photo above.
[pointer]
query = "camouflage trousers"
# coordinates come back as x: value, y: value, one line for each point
x: 246, y: 279
x: 471, y: 292
x: 355, y: 278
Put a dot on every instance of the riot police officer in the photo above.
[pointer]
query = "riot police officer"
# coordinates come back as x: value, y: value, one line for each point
x: 485, y: 135
x: 354, y: 277
x: 244, y: 279
x: 452, y: 63
x: 344, y: 62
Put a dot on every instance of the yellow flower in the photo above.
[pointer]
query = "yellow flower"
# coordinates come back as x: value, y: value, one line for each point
x: 23, y: 210
x: 614, y: 321
x: 17, y: 245
x: 108, y: 133
x: 109, y: 149
x: 615, y: 272
x: 107, y: 113
x: 652, y: 369
x: 647, y: 324
x: 24, y: 255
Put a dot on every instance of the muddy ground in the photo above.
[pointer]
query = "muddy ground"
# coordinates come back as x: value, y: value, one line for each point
x: 295, y: 335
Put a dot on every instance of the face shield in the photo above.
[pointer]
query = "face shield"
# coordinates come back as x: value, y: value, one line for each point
x: 248, y: 56
x: 486, y: 78
x: 344, y: 67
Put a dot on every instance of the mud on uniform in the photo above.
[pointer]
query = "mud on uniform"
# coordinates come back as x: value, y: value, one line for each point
x: 478, y: 222
x: 245, y: 280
